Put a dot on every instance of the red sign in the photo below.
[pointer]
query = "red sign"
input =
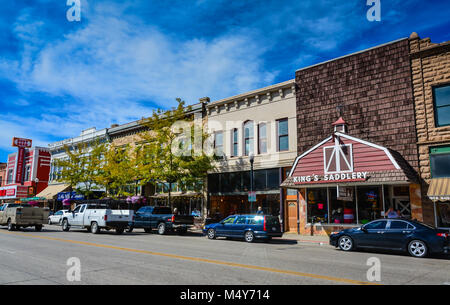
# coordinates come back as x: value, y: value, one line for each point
x: 19, y: 142
x: 20, y: 159
x: 10, y: 192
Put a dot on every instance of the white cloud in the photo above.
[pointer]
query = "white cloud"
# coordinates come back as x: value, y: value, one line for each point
x: 116, y: 70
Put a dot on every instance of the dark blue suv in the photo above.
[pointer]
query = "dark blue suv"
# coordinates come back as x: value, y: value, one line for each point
x: 248, y: 227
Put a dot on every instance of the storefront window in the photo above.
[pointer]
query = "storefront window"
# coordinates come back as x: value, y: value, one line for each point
x: 369, y: 203
x: 317, y: 205
x: 342, y: 211
x: 441, y: 97
x: 443, y: 214
x: 440, y: 162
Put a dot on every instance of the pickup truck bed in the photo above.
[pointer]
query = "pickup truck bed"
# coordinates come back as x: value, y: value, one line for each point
x: 161, y: 219
x: 95, y: 217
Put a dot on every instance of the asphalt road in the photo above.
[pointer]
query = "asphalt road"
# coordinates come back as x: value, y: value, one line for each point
x: 28, y: 257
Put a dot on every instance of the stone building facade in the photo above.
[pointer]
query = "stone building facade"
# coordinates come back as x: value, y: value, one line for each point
x: 430, y: 66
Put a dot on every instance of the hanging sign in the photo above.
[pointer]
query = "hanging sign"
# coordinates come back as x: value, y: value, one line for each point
x: 252, y: 196
x: 344, y: 193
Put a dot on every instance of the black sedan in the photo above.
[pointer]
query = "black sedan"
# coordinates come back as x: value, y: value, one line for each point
x: 417, y: 238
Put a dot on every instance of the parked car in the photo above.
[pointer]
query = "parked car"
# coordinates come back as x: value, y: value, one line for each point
x: 414, y: 237
x: 161, y: 219
x: 17, y: 216
x: 248, y: 227
x: 95, y: 217
x: 57, y: 217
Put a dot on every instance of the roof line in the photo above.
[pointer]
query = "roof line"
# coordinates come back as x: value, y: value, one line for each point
x: 351, y: 54
x: 242, y: 95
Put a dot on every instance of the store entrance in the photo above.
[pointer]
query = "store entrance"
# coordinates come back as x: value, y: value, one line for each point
x: 291, y: 216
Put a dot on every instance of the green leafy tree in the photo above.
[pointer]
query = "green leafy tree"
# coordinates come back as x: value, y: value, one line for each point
x: 118, y: 169
x: 81, y: 167
x: 168, y: 154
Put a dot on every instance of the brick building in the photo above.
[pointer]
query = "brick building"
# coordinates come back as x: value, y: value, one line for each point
x: 372, y: 91
x: 2, y: 173
x: 430, y: 63
x: 28, y: 179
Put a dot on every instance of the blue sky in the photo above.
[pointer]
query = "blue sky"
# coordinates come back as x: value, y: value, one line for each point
x: 124, y: 58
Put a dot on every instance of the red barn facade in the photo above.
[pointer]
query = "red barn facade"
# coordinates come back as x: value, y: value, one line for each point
x: 344, y: 181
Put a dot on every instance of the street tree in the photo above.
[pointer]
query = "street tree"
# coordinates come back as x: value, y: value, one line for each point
x: 168, y: 154
x: 81, y: 167
x: 117, y: 170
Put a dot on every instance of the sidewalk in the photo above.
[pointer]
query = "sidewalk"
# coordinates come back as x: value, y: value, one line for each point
x: 318, y: 239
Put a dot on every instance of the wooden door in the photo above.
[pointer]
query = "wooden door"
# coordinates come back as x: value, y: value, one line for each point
x: 291, y: 216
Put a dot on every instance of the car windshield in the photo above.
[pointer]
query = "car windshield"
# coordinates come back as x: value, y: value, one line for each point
x: 229, y: 220
x: 424, y: 225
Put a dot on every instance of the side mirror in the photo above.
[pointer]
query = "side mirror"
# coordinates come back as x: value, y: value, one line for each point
x: 364, y: 229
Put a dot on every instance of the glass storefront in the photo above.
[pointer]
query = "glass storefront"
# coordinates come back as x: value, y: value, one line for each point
x: 362, y: 204
x: 222, y: 206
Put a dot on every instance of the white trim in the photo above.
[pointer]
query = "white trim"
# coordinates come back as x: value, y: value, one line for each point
x: 307, y: 152
x: 372, y: 145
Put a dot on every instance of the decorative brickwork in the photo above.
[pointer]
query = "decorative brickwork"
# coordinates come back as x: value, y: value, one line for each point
x: 430, y: 66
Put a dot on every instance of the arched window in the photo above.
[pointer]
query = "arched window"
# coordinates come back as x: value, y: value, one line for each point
x: 248, y: 138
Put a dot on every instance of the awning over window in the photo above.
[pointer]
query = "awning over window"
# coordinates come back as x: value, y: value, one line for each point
x: 52, y: 190
x: 439, y: 189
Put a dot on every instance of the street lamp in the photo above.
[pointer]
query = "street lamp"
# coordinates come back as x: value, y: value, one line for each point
x: 36, y: 181
x: 252, y: 159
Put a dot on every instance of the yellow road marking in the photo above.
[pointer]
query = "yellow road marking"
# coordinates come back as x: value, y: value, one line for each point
x: 197, y: 259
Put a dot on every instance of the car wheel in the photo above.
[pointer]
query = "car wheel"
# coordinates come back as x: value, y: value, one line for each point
x: 249, y: 236
x: 417, y: 248
x: 212, y: 234
x: 49, y: 222
x: 65, y: 225
x: 345, y: 243
x: 94, y: 228
x: 60, y: 222
x: 119, y: 231
x: 11, y: 227
x: 130, y: 229
x: 38, y: 228
x: 162, y: 228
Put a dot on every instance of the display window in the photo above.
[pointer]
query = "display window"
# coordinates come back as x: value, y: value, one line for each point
x: 443, y: 214
x: 369, y: 203
x: 317, y: 205
x: 342, y: 211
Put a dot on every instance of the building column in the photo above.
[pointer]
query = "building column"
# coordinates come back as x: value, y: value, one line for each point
x: 415, y: 199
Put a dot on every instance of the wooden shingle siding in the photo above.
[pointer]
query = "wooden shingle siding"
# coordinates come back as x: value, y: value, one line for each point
x: 376, y: 90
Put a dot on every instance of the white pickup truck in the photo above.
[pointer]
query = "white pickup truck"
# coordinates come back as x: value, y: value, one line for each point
x: 95, y: 217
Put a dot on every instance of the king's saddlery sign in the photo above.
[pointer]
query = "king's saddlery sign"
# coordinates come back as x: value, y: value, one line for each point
x: 338, y: 177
